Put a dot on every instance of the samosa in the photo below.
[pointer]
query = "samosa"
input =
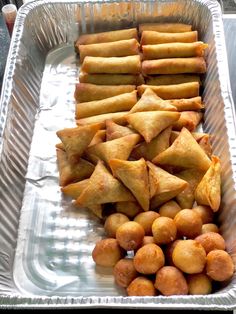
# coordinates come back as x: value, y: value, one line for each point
x: 189, y: 120
x: 114, y: 130
x: 99, y: 137
x: 75, y: 189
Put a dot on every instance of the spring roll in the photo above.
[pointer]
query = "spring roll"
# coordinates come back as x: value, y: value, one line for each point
x: 194, y: 103
x: 106, y: 37
x: 174, y: 50
x: 170, y: 79
x: 122, y: 65
x: 118, y: 117
x: 111, y: 79
x: 174, y: 66
x: 152, y: 37
x: 119, y: 48
x: 117, y: 103
x: 88, y: 92
x: 165, y: 27
x: 185, y: 90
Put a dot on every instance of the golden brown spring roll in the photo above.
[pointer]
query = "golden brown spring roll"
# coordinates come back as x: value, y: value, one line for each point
x: 88, y: 92
x: 152, y: 37
x: 185, y: 90
x: 119, y: 48
x: 165, y: 27
x: 117, y: 103
x: 120, y: 65
x: 170, y: 79
x: 174, y: 50
x: 118, y: 117
x: 106, y: 37
x: 194, y: 103
x: 174, y: 66
x: 111, y: 79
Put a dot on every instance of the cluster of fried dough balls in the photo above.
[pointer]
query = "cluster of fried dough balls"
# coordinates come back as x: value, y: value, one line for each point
x: 171, y: 251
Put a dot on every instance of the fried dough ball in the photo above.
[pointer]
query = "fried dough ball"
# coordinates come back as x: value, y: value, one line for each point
x: 141, y: 286
x: 199, y: 284
x: 169, y: 209
x: 130, y: 235
x: 124, y: 272
x: 146, y: 220
x: 130, y: 209
x: 189, y: 256
x: 171, y: 281
x: 219, y: 265
x: 211, y: 241
x: 210, y: 228
x: 188, y: 223
x: 169, y: 251
x: 164, y: 230
x: 148, y: 259
x: 107, y: 252
x: 113, y: 222
x: 148, y: 240
x: 205, y: 212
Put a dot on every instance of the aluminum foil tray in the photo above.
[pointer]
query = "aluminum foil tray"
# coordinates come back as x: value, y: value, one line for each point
x: 45, y: 244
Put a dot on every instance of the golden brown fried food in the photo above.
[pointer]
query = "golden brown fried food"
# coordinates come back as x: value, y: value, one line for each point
x: 169, y: 251
x: 124, y: 272
x: 146, y: 220
x: 169, y: 209
x: 130, y: 235
x: 188, y: 223
x: 148, y: 240
x: 199, y: 284
x: 113, y: 222
x: 141, y: 286
x: 148, y: 259
x: 130, y: 209
x: 164, y: 230
x: 210, y: 228
x: 211, y: 241
x: 219, y: 265
x: 205, y: 212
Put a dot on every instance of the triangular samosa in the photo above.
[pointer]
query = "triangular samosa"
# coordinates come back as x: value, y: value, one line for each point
x: 168, y: 185
x: 193, y: 177
x: 205, y: 144
x: 119, y: 148
x: 150, y: 123
x: 208, y: 191
x: 75, y: 189
x: 157, y: 145
x: 189, y: 120
x: 76, y: 140
x: 184, y: 152
x: 197, y: 136
x: 99, y: 137
x: 103, y: 188
x: 149, y: 101
x: 70, y: 173
x: 114, y: 130
x: 134, y: 176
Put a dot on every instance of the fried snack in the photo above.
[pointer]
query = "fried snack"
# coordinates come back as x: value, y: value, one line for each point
x: 210, y: 228
x: 194, y: 103
x: 141, y: 286
x: 148, y: 240
x: 146, y: 220
x: 112, y: 65
x: 199, y: 284
x: 118, y: 117
x: 170, y: 79
x: 105, y: 37
x: 103, y: 188
x: 205, y: 212
x: 124, y: 272
x: 205, y: 144
x: 130, y: 209
x: 189, y: 256
x: 114, y: 130
x: 120, y: 48
x: 148, y: 259
x: 177, y: 155
x: 208, y: 191
x: 74, y: 190
x: 113, y: 222
x: 219, y: 265
x: 134, y: 175
x: 170, y: 281
x: 165, y: 27
x: 70, y: 173
x: 174, y: 66
x: 157, y: 145
x: 196, y: 135
x: 119, y: 148
x: 117, y: 103
x: 169, y: 252
x: 164, y: 230
x: 169, y: 209
x: 188, y: 223
x: 111, y: 79
x: 163, y: 185
x: 184, y: 90
x: 99, y: 137
x: 107, y: 252
x: 149, y: 101
x: 174, y: 50
x: 85, y: 92
x: 211, y: 241
x: 188, y: 119
x: 130, y: 235
x: 153, y: 38
x: 150, y: 123
x: 76, y: 140
x: 193, y: 177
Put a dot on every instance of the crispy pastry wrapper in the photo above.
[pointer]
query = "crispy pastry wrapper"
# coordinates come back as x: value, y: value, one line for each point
x: 165, y: 27
x: 118, y: 117
x: 172, y: 79
x: 188, y: 119
x: 114, y: 130
x: 153, y: 37
x: 111, y: 79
